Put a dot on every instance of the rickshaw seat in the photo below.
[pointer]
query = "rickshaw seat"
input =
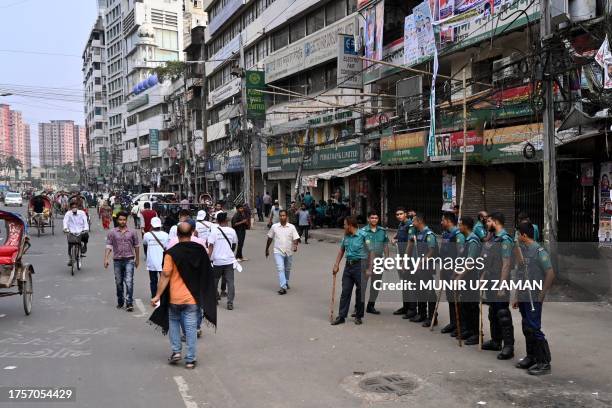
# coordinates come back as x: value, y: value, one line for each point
x: 8, y: 255
x: 10, y: 249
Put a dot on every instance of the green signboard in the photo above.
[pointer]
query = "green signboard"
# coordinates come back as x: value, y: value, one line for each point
x: 255, y: 83
x: 327, y: 158
x: 154, y: 142
x: 513, y: 143
x: 402, y: 148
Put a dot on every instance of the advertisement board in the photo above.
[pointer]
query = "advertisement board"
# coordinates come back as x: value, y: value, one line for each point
x: 322, y: 158
x: 154, y: 142
x: 255, y: 83
x: 349, y: 65
x: 402, y: 148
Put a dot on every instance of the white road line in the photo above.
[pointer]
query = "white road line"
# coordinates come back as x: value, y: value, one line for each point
x: 184, y: 391
x: 140, y: 307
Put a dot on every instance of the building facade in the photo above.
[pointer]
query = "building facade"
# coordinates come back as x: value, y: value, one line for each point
x: 59, y: 142
x: 15, y: 136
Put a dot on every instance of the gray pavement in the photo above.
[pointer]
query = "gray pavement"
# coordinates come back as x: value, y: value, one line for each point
x: 276, y: 351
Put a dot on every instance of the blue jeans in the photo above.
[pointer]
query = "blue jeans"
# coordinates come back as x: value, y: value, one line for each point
x: 532, y: 321
x: 153, y: 279
x: 124, y: 276
x: 185, y: 316
x: 283, y: 267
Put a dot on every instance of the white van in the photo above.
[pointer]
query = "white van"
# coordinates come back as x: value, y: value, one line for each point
x: 140, y: 199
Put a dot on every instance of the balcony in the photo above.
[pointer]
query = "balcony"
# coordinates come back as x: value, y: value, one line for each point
x: 194, y: 40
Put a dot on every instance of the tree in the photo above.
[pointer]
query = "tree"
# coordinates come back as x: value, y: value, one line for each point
x: 171, y: 70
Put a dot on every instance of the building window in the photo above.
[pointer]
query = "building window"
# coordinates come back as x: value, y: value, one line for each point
x: 315, y: 21
x: 297, y: 30
x: 280, y: 39
x: 166, y: 39
x: 334, y: 11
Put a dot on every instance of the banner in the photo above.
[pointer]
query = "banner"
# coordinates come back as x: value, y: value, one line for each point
x: 321, y: 158
x: 449, y: 146
x: 605, y: 205
x: 374, y: 24
x: 604, y: 59
x: 411, y: 46
x: 402, y: 148
x: 449, y: 192
x: 349, y: 65
x: 256, y: 106
x: 154, y: 142
x: 424, y: 29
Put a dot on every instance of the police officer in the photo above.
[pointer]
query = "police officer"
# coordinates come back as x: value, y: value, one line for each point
x: 479, y: 228
x: 357, y: 266
x: 537, y: 268
x: 470, y: 297
x: 452, y: 242
x: 524, y: 217
x: 405, y: 231
x: 378, y: 244
x: 426, y: 247
x: 497, y: 255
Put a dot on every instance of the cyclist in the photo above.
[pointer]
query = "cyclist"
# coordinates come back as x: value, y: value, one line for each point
x: 75, y: 222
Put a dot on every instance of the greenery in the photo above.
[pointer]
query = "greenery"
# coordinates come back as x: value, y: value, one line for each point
x: 8, y: 164
x: 68, y: 174
x: 172, y: 70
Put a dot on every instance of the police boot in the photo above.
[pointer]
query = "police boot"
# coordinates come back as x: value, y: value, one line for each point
x: 542, y: 365
x: 491, y: 345
x: 529, y: 359
x: 505, y: 321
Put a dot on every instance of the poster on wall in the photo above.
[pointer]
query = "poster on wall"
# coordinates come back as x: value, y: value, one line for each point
x: 586, y: 174
x: 604, y: 59
x: 449, y: 192
x: 411, y: 45
x: 442, y: 147
x: 605, y: 205
x: 445, y: 9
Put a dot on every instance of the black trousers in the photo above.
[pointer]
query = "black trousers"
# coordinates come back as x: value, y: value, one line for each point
x: 267, y: 208
x: 303, y: 231
x: 353, y: 275
x: 500, y: 321
x: 241, y: 233
x: 426, y: 298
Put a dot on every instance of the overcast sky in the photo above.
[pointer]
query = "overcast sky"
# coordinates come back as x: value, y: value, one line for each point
x: 44, y: 26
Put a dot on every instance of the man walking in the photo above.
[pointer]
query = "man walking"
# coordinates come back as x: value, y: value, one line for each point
x: 304, y: 222
x: 497, y: 255
x: 259, y: 207
x: 357, y: 266
x: 186, y: 289
x: 122, y: 243
x: 275, y: 213
x: 378, y: 243
x: 240, y: 223
x: 146, y: 216
x: 222, y: 242
x: 154, y: 244
x: 267, y: 203
x: 537, y: 268
x: 183, y: 216
x: 286, y: 239
x: 203, y: 226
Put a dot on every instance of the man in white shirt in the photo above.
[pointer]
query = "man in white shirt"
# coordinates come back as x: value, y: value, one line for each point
x: 275, y: 213
x: 286, y: 239
x: 203, y: 227
x: 155, y: 243
x: 75, y: 222
x: 183, y: 216
x: 222, y: 242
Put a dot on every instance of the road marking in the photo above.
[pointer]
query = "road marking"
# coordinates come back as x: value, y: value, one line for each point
x: 184, y: 391
x: 140, y: 307
x: 10, y: 367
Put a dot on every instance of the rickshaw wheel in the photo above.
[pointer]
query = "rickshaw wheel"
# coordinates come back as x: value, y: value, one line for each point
x: 27, y: 290
x: 52, y: 226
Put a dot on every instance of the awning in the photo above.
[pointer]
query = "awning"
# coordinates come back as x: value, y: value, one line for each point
x: 311, y: 181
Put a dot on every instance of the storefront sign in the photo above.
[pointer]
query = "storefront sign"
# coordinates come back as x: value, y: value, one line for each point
x: 154, y: 142
x: 449, y: 146
x: 309, y: 51
x: 224, y: 92
x: 508, y: 144
x: 256, y: 106
x: 231, y: 6
x: 316, y: 121
x: 349, y: 65
x: 325, y: 158
x: 235, y: 164
x: 402, y: 148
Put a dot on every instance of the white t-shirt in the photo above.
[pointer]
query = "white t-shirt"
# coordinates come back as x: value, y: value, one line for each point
x: 222, y: 252
x: 204, y: 229
x: 172, y: 233
x: 283, y: 236
x: 155, y: 253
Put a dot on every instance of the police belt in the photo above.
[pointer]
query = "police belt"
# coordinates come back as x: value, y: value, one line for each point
x: 351, y: 262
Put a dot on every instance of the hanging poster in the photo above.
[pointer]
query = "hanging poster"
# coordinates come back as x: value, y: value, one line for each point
x: 380, y: 25
x: 374, y: 24
x: 446, y: 9
x: 449, y: 192
x: 424, y: 29
x: 411, y: 44
x: 442, y: 147
x: 604, y: 59
x: 605, y: 205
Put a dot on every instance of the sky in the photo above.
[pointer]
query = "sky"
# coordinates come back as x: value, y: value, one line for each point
x: 44, y: 27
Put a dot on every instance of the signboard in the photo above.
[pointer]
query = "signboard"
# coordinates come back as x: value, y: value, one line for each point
x: 411, y: 46
x: 325, y: 158
x: 374, y: 24
x: 402, y: 148
x: 154, y: 142
x: 235, y: 164
x: 315, y: 121
x: 605, y: 205
x: 349, y: 64
x: 224, y: 92
x: 230, y: 6
x: 508, y: 143
x: 449, y: 146
x: 311, y: 50
x: 255, y: 83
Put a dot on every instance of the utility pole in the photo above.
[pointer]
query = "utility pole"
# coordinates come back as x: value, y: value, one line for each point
x: 203, y: 96
x: 548, y: 150
x: 245, y: 143
x: 464, y: 161
x: 298, y: 177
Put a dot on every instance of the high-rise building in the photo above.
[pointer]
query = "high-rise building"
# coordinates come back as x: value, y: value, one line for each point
x: 27, y: 162
x: 14, y: 136
x: 79, y: 144
x: 58, y: 142
x: 5, y: 130
x: 94, y: 85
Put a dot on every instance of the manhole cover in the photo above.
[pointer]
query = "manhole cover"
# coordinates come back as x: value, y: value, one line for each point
x: 389, y: 384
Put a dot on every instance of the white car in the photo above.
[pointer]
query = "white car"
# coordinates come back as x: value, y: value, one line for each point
x: 13, y: 199
x: 151, y: 198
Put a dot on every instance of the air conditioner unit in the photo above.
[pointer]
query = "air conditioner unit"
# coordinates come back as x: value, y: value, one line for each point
x: 507, y: 68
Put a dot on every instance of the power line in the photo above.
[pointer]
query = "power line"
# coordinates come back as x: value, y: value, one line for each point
x: 53, y: 54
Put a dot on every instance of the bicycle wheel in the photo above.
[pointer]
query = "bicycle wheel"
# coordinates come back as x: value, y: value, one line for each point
x: 72, y: 259
x: 78, y: 256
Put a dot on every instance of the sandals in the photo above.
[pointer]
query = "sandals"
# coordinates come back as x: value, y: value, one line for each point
x: 190, y: 365
x: 175, y: 358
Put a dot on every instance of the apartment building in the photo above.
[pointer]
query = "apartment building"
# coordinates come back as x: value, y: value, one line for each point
x: 15, y: 136
x: 59, y: 142
x: 96, y: 120
x: 5, y: 130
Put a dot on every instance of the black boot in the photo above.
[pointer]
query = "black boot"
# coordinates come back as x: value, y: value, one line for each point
x: 507, y: 351
x: 491, y: 345
x: 472, y: 340
x: 370, y: 309
x: 449, y: 328
x: 542, y: 365
x: 529, y: 360
x: 402, y: 310
x: 409, y: 314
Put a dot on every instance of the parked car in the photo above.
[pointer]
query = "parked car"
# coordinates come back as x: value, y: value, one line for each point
x: 13, y: 199
x: 140, y: 199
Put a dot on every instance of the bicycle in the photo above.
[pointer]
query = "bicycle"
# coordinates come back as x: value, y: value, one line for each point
x: 74, y: 242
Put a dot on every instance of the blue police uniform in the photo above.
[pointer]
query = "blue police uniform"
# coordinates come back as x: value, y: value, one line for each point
x: 356, y: 253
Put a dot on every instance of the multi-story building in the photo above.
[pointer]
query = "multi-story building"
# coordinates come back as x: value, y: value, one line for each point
x: 80, y: 144
x: 15, y: 136
x: 27, y: 162
x: 5, y: 130
x: 58, y: 142
x: 96, y: 121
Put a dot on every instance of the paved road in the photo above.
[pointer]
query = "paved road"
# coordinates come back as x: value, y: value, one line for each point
x: 275, y: 351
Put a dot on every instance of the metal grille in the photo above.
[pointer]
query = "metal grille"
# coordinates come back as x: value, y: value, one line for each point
x: 389, y: 384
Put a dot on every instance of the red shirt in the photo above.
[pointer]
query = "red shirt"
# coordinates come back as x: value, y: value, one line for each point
x: 147, y: 216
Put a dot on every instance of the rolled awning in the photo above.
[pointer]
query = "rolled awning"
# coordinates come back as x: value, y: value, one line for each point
x: 311, y: 181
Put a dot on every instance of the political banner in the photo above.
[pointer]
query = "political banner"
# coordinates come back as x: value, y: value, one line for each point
x: 411, y: 44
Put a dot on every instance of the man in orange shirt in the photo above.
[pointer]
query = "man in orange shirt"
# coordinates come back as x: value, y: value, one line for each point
x: 185, y: 286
